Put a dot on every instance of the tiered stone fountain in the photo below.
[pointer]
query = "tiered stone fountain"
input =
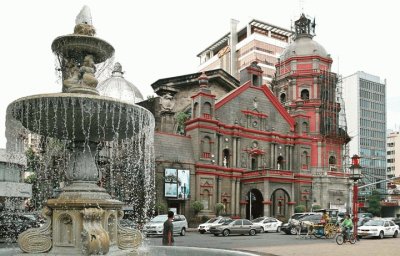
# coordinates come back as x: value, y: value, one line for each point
x: 83, y: 220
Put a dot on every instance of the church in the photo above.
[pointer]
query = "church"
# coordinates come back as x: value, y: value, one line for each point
x: 257, y: 149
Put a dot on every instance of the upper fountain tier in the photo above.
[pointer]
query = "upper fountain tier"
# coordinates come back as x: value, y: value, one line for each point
x: 78, y: 53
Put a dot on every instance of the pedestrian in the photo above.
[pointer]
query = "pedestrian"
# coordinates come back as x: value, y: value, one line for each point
x: 168, y: 235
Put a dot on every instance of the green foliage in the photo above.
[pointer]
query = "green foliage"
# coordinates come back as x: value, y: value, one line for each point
x: 219, y: 208
x: 374, y: 203
x: 161, y: 208
x: 300, y: 208
x: 316, y: 207
x: 197, y: 206
x: 181, y: 118
x: 204, y: 219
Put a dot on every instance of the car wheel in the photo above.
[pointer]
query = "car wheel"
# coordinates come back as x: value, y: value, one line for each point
x: 381, y: 235
x: 183, y: 232
x: 252, y: 232
x: 396, y: 233
x: 293, y: 231
x: 202, y: 231
x: 278, y: 229
x: 225, y: 232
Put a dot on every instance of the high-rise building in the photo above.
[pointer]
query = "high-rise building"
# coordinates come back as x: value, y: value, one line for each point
x: 365, y: 96
x: 257, y: 41
x: 393, y: 159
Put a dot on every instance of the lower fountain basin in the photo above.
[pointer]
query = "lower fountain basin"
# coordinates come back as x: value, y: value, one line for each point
x: 192, y: 251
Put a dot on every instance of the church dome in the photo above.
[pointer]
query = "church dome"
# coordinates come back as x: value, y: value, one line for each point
x: 117, y: 87
x: 304, y: 46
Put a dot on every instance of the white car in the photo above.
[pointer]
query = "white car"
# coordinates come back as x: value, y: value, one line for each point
x: 156, y: 225
x: 205, y: 227
x: 378, y: 228
x: 268, y: 224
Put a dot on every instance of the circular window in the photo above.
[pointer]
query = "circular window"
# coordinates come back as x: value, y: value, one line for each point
x: 255, y: 123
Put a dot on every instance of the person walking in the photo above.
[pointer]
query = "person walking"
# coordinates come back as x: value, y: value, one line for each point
x: 168, y: 232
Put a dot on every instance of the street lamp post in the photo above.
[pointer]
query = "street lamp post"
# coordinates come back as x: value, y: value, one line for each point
x: 355, y: 175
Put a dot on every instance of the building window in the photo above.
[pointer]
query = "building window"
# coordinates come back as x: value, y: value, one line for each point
x: 280, y: 162
x: 305, y: 94
x: 304, y: 160
x: 283, y: 98
x: 225, y: 159
x: 195, y: 110
x: 305, y: 127
x: 253, y: 163
x: 207, y: 110
x: 206, y: 147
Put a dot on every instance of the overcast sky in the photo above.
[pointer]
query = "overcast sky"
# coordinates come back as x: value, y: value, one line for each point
x: 156, y: 39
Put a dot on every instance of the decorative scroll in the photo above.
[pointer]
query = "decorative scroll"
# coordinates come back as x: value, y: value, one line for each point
x: 128, y: 238
x: 37, y: 240
x: 95, y: 239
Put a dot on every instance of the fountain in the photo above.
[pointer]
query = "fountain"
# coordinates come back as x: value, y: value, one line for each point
x: 84, y: 219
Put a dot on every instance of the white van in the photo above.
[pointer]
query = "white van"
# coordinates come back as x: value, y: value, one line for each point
x: 156, y: 225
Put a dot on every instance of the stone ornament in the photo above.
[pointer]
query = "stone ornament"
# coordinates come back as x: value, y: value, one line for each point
x: 95, y: 239
x: 129, y: 238
x: 167, y: 102
x: 37, y: 240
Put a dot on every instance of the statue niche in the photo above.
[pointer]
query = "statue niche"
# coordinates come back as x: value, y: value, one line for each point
x: 167, y: 102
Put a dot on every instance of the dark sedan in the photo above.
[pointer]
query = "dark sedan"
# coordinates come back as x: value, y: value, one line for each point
x: 239, y: 227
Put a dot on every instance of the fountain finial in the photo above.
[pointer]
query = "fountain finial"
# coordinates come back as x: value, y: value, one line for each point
x: 83, y: 23
x: 117, y: 70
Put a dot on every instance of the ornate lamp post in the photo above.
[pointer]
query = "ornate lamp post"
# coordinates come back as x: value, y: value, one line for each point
x: 355, y: 175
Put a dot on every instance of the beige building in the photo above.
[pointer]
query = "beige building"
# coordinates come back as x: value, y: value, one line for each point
x: 393, y: 159
x: 257, y: 41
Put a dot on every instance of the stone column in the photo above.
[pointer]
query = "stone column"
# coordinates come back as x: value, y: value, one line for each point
x: 276, y: 156
x: 239, y: 151
x: 233, y: 196
x: 219, y: 183
x: 272, y: 156
x: 220, y: 153
x: 287, y: 157
x: 266, y: 198
x: 233, y: 164
x: 291, y: 158
x: 237, y: 196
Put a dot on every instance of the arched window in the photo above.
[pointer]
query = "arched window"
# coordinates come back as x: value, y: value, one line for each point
x: 283, y: 98
x: 207, y: 110
x: 206, y: 147
x: 226, y: 158
x: 304, y: 127
x: 280, y: 162
x: 305, y: 94
x: 195, y: 110
x: 332, y: 160
x: 304, y: 160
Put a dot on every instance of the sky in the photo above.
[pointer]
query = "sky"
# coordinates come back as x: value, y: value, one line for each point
x: 156, y: 39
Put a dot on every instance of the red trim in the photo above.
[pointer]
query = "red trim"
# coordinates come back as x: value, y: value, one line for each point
x: 232, y: 94
x: 220, y: 168
x: 301, y: 116
x: 267, y: 202
x: 243, y: 202
x: 203, y: 94
x: 287, y: 61
x: 291, y: 203
x: 201, y: 119
x: 299, y: 175
x: 254, y: 113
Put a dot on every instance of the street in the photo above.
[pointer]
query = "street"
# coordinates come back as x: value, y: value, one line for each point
x: 268, y: 244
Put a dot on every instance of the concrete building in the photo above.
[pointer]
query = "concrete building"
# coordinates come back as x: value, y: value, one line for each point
x: 366, y: 96
x: 13, y: 190
x: 257, y: 41
x: 241, y: 141
x: 393, y: 158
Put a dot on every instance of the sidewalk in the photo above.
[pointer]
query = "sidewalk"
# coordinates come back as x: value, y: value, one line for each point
x: 366, y: 247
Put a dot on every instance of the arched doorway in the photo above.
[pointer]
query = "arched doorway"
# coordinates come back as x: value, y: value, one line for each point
x: 257, y: 207
x: 279, y: 206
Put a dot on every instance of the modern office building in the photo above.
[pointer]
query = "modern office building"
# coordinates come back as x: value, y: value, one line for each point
x: 365, y: 97
x: 257, y: 41
x: 393, y: 159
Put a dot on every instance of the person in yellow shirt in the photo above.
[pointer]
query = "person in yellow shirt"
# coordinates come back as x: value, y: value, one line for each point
x: 325, y: 217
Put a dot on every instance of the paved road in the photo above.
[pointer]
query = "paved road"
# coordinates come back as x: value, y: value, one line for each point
x: 271, y: 244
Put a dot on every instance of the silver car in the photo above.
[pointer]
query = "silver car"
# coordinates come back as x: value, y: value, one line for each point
x: 156, y: 225
x: 240, y: 227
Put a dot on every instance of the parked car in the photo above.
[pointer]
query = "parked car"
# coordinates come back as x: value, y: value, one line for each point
x: 290, y: 229
x: 378, y: 228
x: 240, y: 227
x: 156, y: 225
x: 268, y: 224
x: 13, y: 224
x: 204, y: 227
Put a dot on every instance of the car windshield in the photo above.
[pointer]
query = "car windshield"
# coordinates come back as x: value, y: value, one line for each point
x: 227, y: 222
x: 374, y: 223
x: 258, y: 219
x: 298, y: 216
x: 212, y: 220
x: 159, y: 218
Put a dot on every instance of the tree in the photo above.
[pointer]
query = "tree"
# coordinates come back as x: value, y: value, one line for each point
x: 181, y: 118
x: 300, y: 208
x: 219, y: 208
x: 197, y: 206
x: 315, y: 207
x: 374, y: 203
